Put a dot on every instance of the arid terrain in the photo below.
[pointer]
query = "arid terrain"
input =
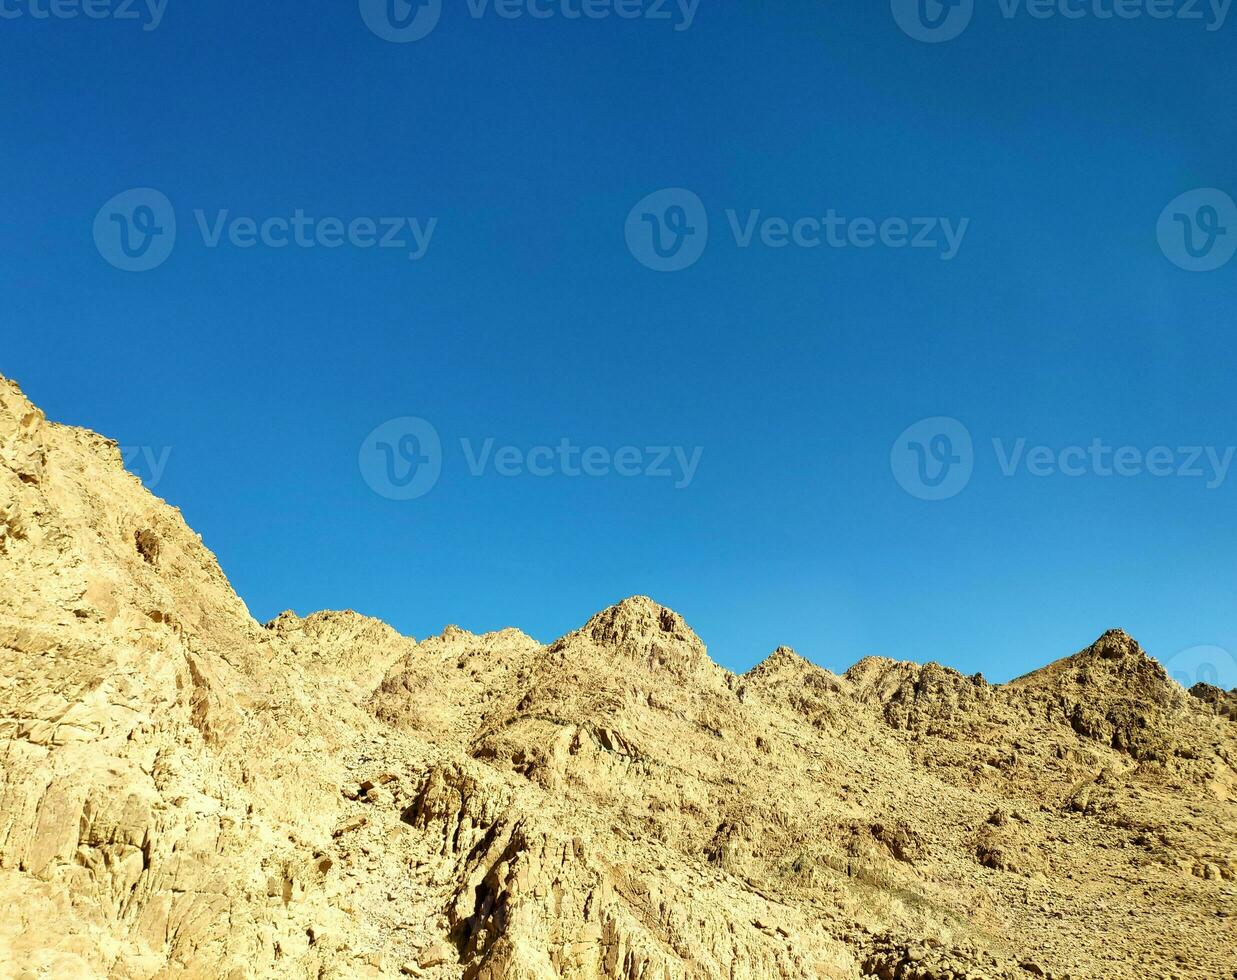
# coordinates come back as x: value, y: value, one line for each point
x: 186, y: 792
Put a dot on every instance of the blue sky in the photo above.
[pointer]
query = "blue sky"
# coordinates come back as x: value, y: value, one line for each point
x: 522, y: 147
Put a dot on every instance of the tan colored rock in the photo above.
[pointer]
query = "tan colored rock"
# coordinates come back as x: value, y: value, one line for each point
x: 187, y: 793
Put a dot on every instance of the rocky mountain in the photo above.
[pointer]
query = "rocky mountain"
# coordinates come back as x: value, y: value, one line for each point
x: 185, y: 792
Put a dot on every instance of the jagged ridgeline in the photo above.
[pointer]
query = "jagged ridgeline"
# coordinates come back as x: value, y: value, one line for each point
x: 185, y: 792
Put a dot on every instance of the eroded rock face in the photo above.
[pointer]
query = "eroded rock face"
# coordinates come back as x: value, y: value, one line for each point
x: 1223, y: 703
x: 187, y: 793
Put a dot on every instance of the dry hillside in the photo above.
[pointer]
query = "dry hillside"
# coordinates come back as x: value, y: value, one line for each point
x: 185, y: 792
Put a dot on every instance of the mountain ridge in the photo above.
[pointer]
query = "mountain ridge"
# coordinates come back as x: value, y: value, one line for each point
x: 781, y: 655
x: 630, y: 610
x: 185, y: 792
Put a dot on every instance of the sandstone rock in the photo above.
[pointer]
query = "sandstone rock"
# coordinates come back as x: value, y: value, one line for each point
x: 187, y: 793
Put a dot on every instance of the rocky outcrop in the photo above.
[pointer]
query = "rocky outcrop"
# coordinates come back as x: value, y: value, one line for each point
x: 1223, y: 703
x: 187, y: 793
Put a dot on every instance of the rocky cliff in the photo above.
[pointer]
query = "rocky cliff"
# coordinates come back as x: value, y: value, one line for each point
x: 185, y: 792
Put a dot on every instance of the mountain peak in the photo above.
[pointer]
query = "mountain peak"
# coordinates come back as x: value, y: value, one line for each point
x: 1114, y: 693
x: 782, y: 659
x: 639, y: 617
x: 1116, y: 644
x: 1114, y: 653
x: 640, y: 627
x: 333, y: 621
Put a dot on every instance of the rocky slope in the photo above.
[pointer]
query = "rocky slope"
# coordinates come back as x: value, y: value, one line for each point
x: 187, y: 793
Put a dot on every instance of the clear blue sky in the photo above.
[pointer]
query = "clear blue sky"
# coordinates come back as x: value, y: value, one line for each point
x: 1060, y: 319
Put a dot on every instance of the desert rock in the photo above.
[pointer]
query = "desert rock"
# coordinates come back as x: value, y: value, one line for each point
x: 185, y: 792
